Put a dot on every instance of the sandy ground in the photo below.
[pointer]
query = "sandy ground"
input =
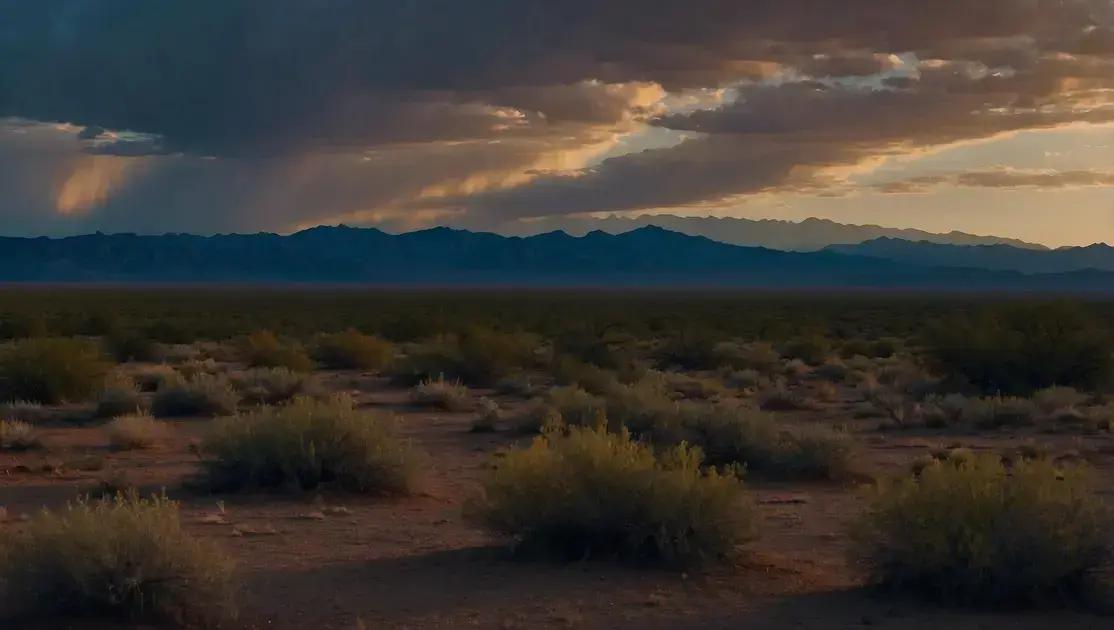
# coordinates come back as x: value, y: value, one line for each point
x: 416, y: 562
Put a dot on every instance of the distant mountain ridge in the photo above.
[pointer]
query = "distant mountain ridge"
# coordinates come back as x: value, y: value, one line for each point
x: 994, y: 257
x: 808, y: 235
x: 646, y: 257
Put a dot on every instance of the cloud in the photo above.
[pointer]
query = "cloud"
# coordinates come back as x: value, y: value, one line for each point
x: 267, y: 114
x: 1002, y: 178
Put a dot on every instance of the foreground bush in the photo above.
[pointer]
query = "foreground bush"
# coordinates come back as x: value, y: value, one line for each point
x: 353, y: 350
x: 126, y: 557
x: 974, y: 532
x: 1019, y: 349
x: 264, y: 349
x: 308, y: 443
x: 50, y: 371
x: 590, y: 493
x: 201, y: 395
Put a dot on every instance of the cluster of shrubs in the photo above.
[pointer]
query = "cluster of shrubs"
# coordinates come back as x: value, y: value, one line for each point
x: 729, y: 434
x: 1018, y: 349
x: 50, y: 371
x: 478, y: 357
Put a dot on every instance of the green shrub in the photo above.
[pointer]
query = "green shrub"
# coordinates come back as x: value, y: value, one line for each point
x: 442, y: 394
x: 50, y: 371
x: 119, y: 397
x: 264, y: 349
x: 136, y: 432
x: 975, y: 532
x: 589, y: 493
x: 126, y: 557
x: 308, y: 443
x: 271, y: 386
x: 1018, y: 349
x: 353, y: 350
x: 201, y: 395
x: 18, y: 436
x: 758, y: 356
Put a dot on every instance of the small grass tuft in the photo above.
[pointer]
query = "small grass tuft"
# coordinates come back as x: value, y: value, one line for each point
x: 127, y: 433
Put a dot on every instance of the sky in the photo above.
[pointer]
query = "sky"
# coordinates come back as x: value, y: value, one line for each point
x: 207, y: 116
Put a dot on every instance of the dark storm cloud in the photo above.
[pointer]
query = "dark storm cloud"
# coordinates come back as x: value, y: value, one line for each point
x: 452, y: 98
x: 269, y: 75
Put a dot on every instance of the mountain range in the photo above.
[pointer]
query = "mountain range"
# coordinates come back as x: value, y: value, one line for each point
x: 645, y: 257
x: 999, y: 257
x: 802, y: 236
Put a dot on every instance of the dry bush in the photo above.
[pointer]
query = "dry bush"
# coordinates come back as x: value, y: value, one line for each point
x: 813, y: 350
x: 832, y: 370
x: 353, y: 350
x: 1052, y: 399
x: 263, y: 349
x: 50, y: 371
x: 750, y: 438
x: 944, y: 411
x: 575, y: 373
x: 125, y: 347
x: 694, y: 387
x: 441, y: 394
x: 778, y: 397
x: 150, y: 378
x: 971, y: 531
x: 746, y: 380
x: 201, y: 395
x: 520, y: 384
x: 758, y: 356
x: 119, y: 397
x: 125, y: 557
x: 478, y: 357
x: 18, y: 436
x: 565, y: 406
x: 127, y: 433
x: 271, y: 386
x: 590, y: 493
x: 24, y: 411
x: 308, y: 443
x: 1000, y: 411
x: 487, y: 418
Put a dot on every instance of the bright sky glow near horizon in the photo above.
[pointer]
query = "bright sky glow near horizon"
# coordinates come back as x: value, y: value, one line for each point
x: 242, y: 115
